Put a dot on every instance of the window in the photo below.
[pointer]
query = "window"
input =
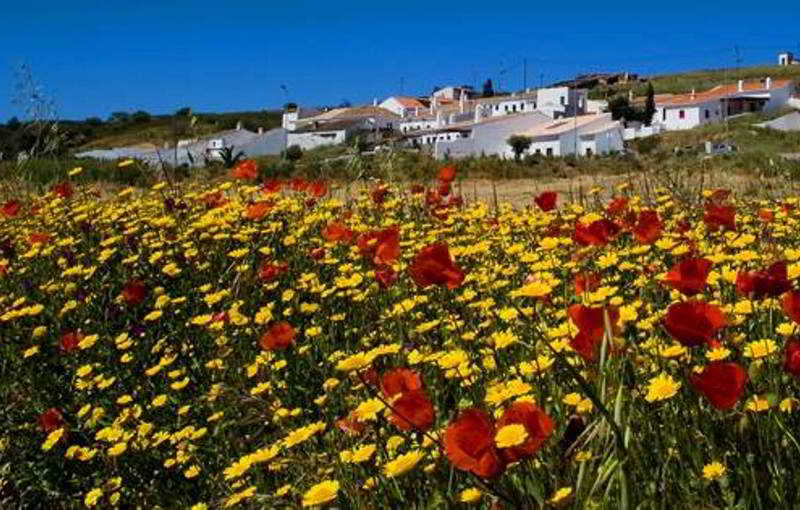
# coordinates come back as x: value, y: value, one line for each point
x: 563, y: 100
x: 496, y: 107
x: 708, y: 113
x: 663, y: 114
x: 538, y: 152
x: 514, y: 108
x: 549, y: 151
x: 588, y: 151
x: 522, y: 107
x: 681, y: 114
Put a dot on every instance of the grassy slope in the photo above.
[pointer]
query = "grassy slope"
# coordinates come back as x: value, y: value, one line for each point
x: 699, y: 80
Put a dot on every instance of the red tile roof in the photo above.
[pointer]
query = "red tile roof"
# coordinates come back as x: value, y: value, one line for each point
x: 719, y: 92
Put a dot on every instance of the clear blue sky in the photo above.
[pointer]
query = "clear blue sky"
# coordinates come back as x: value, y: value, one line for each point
x: 109, y: 55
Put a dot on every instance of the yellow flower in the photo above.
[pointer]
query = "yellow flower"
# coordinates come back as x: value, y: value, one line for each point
x: 560, y: 496
x: 362, y: 454
x: 757, y: 404
x: 760, y: 348
x: 193, y: 471
x: 511, y: 435
x: 470, y: 495
x: 369, y: 409
x: 662, y: 387
x: 402, y: 463
x: 153, y: 316
x: 321, y: 493
x: 52, y: 438
x: 75, y: 171
x: 714, y: 470
x: 718, y: 353
x: 536, y: 289
x: 118, y: 449
x: 92, y: 497
x: 127, y: 162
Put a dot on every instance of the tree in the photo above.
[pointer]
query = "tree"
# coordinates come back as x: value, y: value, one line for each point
x: 650, y: 105
x: 140, y: 117
x: 293, y: 152
x: 621, y: 109
x: 186, y: 111
x: 519, y: 144
x: 13, y: 124
x: 488, y: 88
x: 119, y: 117
x: 94, y: 121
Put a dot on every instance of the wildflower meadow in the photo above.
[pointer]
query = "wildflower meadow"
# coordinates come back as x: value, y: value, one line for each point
x: 252, y: 343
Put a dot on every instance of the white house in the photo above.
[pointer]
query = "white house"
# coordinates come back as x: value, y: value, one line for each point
x: 554, y: 102
x: 686, y: 111
x: 787, y: 59
x: 452, y: 93
x: 487, y: 136
x: 312, y: 136
x: 402, y: 105
x: 292, y: 115
x: 585, y: 135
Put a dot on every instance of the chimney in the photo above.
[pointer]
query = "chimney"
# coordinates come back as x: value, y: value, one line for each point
x: 741, y: 86
x: 260, y: 130
x: 477, y: 113
x: 692, y: 93
x: 462, y: 103
x: 416, y: 111
x: 238, y: 125
x: 769, y: 83
x: 433, y: 104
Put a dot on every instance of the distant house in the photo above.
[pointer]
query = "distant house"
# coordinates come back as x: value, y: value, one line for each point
x: 340, y: 125
x: 584, y: 135
x: 686, y: 111
x: 787, y: 59
x: 294, y: 114
x: 452, y: 93
x: 554, y: 102
x: 402, y: 105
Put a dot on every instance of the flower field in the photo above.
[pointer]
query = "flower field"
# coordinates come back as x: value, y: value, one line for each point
x: 285, y: 344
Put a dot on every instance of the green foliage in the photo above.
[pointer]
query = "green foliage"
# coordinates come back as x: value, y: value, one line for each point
x: 519, y: 144
x: 293, y: 153
x: 229, y: 157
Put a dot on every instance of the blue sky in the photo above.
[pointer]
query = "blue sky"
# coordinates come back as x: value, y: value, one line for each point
x: 102, y: 56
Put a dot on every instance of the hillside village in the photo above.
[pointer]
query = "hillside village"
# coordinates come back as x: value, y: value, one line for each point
x: 457, y: 122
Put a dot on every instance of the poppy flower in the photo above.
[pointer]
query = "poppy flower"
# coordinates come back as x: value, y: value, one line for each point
x: 270, y: 272
x: 214, y: 200
x: 433, y: 266
x: 337, y: 232
x: 351, y: 425
x: 546, y: 201
x: 444, y: 189
x: 683, y: 226
x: 246, y: 170
x: 719, y: 195
x: 3, y: 269
x: 416, y: 189
x: 379, y: 194
x: 597, y: 233
x: 11, y: 208
x: 134, y: 292
x: 386, y: 276
x: 648, y: 227
x: 791, y: 305
x: 538, y: 425
x: 400, y: 380
x: 591, y: 328
x: 298, y: 184
x: 413, y: 410
x: 318, y: 189
x: 720, y: 216
x: 792, y: 362
x: 272, y: 186
x: 447, y: 174
x: 722, y: 383
x: 318, y: 253
x: 63, y: 189
x: 772, y: 281
x: 50, y: 420
x: 469, y: 444
x: 432, y: 198
x: 689, y: 276
x: 617, y: 206
x: 586, y: 282
x: 39, y: 238
x: 258, y: 210
x: 380, y: 246
x: 766, y: 215
x: 278, y: 337
x: 69, y: 341
x: 693, y: 323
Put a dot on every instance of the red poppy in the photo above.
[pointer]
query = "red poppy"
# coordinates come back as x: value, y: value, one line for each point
x: 617, y: 206
x: 278, y: 337
x: 469, y: 444
x: 416, y: 189
x: 689, y: 276
x: 258, y: 210
x: 586, y: 282
x: 220, y: 317
x: 787, y: 208
x: 318, y: 189
x: 298, y: 184
x: 39, y: 238
x: 215, y: 199
x: 693, y: 323
x: 318, y: 253
x: 351, y: 425
x: 432, y: 198
x: 337, y: 232
x: 386, y: 276
x: 597, y: 233
x: 772, y: 281
x: 11, y: 208
x: 447, y: 174
x: 380, y: 246
x: 721, y: 382
x: 413, y: 410
x: 766, y: 215
x: 69, y: 341
x: 546, y: 200
x: 3, y: 269
x: 400, y: 380
x: 538, y: 426
x: 271, y: 271
x: 683, y: 226
x: 63, y: 189
x: 272, y: 186
x: 791, y: 305
x: 591, y: 328
x: 720, y: 195
x: 648, y: 227
x: 433, y: 266
x: 379, y: 194
x: 246, y: 170
x: 719, y: 216
x: 134, y: 292
x: 50, y: 420
x: 792, y: 363
x: 444, y: 189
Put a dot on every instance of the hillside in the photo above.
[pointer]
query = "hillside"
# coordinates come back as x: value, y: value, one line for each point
x: 700, y: 80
